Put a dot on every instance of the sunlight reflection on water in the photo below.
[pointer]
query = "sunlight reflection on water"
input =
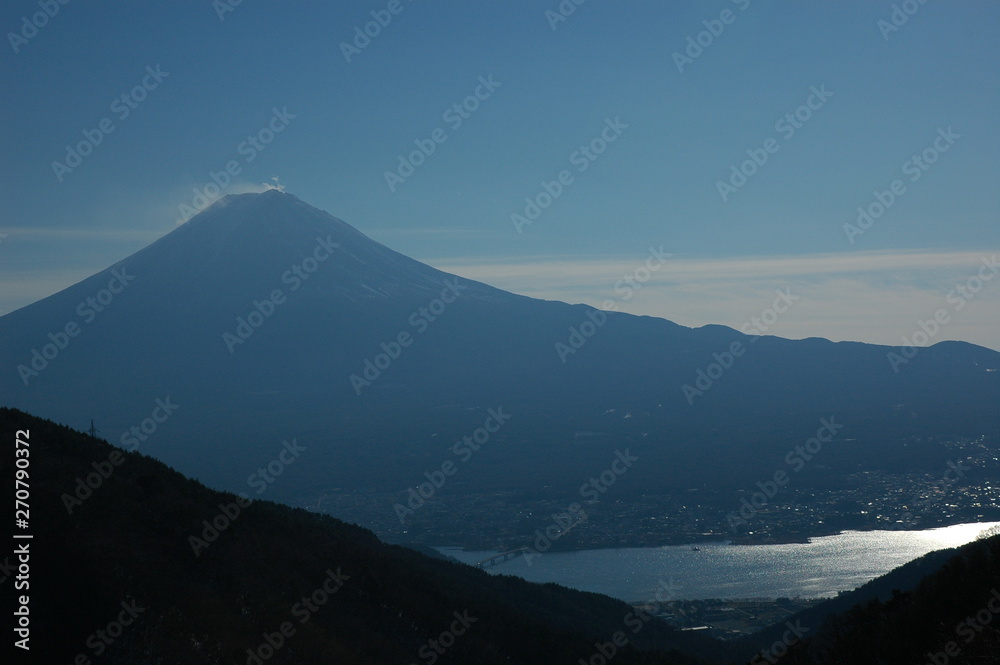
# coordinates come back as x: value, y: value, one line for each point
x: 816, y: 569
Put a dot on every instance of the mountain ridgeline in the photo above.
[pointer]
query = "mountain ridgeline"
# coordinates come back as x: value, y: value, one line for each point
x: 146, y: 566
x: 152, y: 567
x: 264, y: 321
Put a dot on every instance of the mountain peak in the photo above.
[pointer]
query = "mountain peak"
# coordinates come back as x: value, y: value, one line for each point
x: 252, y: 240
x: 247, y: 207
x: 263, y: 224
x: 266, y: 318
x: 257, y: 197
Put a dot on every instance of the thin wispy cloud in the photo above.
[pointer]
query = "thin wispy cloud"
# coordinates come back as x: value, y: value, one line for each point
x: 582, y: 269
x: 433, y: 231
x: 54, y: 233
x: 875, y: 297
x: 23, y: 287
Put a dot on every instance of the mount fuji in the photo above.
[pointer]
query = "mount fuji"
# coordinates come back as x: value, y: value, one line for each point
x: 264, y: 324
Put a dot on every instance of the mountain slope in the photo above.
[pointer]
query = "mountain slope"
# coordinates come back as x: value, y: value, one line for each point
x: 137, y: 548
x: 878, y: 591
x: 950, y: 616
x: 265, y: 320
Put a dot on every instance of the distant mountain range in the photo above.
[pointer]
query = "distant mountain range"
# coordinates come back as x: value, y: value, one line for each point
x: 264, y: 326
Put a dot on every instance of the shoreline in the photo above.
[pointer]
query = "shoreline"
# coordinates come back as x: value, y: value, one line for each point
x: 713, y: 539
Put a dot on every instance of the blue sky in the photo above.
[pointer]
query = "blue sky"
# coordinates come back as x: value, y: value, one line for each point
x: 887, y: 97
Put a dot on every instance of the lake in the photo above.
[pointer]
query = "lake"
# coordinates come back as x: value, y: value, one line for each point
x: 817, y: 569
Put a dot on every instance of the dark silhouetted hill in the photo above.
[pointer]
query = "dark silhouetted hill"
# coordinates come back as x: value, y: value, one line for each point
x: 341, y: 595
x: 943, y: 608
